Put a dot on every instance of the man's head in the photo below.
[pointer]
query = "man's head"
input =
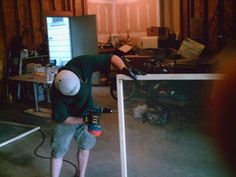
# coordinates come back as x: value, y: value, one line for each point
x: 67, y: 83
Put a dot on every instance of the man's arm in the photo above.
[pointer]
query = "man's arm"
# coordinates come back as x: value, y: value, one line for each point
x: 131, y: 72
x: 117, y: 62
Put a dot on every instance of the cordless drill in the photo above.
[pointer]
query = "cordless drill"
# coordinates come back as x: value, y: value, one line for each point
x: 92, y: 119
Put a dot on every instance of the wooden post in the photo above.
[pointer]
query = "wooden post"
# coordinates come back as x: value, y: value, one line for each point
x: 184, y: 19
x: 221, y: 24
x: 206, y: 22
x: 31, y: 23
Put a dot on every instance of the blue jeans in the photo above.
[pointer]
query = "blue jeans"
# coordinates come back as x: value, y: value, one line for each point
x: 63, y: 134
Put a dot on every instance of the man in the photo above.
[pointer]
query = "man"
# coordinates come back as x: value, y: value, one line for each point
x: 71, y: 101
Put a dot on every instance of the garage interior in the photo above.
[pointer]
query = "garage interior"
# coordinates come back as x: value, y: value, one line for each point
x: 165, y: 137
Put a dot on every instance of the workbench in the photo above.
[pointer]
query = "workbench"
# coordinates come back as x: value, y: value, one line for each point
x: 35, y: 79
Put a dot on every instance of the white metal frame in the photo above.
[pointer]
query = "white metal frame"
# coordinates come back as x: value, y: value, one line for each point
x: 32, y: 130
x: 120, y: 78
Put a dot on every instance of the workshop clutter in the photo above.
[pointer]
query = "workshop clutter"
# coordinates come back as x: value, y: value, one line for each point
x: 39, y: 70
x: 47, y: 72
x: 150, y: 115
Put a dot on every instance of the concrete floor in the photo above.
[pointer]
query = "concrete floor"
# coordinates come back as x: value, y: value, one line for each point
x: 152, y: 150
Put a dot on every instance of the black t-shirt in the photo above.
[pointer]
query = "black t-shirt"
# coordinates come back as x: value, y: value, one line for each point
x: 78, y: 105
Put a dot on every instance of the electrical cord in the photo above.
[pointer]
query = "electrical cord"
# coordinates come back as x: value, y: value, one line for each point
x: 44, y: 157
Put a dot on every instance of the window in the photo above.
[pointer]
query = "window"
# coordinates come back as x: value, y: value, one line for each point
x: 57, y: 21
x: 59, y: 39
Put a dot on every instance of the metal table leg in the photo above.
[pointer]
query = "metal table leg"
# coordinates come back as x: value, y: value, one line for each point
x: 35, y: 85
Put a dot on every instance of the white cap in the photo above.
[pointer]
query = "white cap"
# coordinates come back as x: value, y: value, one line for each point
x: 67, y: 82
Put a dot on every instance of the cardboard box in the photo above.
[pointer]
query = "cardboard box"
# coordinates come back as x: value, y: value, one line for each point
x: 153, y: 31
x: 157, y: 31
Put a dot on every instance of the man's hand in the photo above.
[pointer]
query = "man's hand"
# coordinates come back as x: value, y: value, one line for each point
x: 131, y: 72
x: 92, y: 120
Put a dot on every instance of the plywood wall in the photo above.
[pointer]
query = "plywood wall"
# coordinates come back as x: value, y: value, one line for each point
x: 122, y: 17
x: 27, y: 17
x: 24, y: 21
